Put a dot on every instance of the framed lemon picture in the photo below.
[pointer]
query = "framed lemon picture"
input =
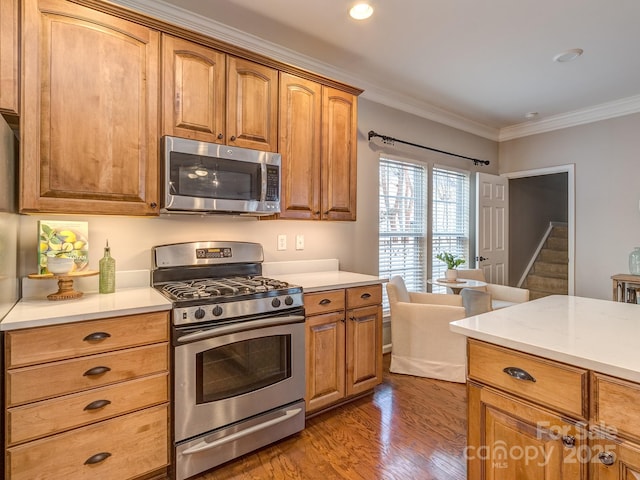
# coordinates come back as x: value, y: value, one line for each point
x: 63, y: 239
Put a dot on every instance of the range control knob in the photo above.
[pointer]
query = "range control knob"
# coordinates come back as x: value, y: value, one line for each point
x: 217, y: 311
x: 199, y: 314
x: 275, y: 303
x: 288, y: 300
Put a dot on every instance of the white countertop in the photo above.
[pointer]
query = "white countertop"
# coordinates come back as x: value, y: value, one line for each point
x: 599, y: 335
x: 317, y: 281
x: 37, y: 312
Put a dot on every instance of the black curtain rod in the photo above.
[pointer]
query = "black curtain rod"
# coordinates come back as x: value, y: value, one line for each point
x: 392, y: 140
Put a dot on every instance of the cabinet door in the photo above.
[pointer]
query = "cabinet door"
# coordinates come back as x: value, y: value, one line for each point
x: 515, y: 439
x: 90, y: 127
x: 194, y: 90
x: 339, y: 139
x: 364, y: 349
x: 9, y: 67
x: 252, y: 105
x: 300, y: 113
x: 614, y: 460
x: 325, y: 335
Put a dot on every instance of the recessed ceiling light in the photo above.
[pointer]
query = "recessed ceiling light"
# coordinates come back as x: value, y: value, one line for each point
x: 360, y: 11
x: 568, y: 56
x: 530, y: 115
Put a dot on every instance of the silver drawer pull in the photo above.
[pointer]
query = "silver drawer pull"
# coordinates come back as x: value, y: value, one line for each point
x: 518, y: 374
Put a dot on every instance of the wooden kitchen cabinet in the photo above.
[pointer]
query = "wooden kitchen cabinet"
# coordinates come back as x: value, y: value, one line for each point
x: 527, y: 416
x: 511, y: 438
x: 89, y: 399
x: 318, y: 127
x: 615, y: 437
x: 214, y: 97
x: 252, y: 105
x: 194, y: 90
x: 90, y: 115
x: 343, y: 344
x: 10, y: 60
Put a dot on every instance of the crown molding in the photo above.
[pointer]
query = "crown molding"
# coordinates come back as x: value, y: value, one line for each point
x: 603, y: 111
x: 206, y: 26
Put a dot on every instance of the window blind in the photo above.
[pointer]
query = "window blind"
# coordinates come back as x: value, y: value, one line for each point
x: 450, y: 218
x: 402, y: 223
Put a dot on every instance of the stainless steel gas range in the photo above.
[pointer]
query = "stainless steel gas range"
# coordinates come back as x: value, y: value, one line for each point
x: 238, y: 352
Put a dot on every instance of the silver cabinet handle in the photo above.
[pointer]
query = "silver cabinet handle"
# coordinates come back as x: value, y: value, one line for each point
x: 519, y: 374
x: 606, y: 458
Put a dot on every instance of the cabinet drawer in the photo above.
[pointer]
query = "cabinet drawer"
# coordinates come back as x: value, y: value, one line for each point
x: 48, y: 417
x: 28, y: 384
x: 47, y: 344
x: 363, y: 296
x: 130, y: 445
x: 616, y: 403
x: 321, y: 302
x: 559, y: 386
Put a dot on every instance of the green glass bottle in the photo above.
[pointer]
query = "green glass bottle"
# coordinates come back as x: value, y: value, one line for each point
x: 107, y: 266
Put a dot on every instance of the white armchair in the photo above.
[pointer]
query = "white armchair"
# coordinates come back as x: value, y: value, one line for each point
x: 501, y: 295
x: 422, y: 343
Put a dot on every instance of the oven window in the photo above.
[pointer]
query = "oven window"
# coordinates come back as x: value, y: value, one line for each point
x: 242, y: 367
x: 219, y: 178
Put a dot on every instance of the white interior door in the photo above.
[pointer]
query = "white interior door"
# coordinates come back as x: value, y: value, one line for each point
x: 492, y: 222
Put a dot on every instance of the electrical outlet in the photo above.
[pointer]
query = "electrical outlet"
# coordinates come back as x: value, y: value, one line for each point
x: 299, y: 242
x: 282, y: 242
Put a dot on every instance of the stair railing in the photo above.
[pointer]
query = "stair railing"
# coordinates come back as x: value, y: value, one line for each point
x: 533, y: 259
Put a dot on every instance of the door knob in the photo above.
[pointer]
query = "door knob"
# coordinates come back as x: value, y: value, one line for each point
x: 481, y: 258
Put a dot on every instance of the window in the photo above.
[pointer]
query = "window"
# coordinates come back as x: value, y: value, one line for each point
x: 402, y: 228
x: 450, y: 218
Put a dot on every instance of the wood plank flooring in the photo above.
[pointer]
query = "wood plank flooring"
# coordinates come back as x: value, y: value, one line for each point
x: 409, y: 428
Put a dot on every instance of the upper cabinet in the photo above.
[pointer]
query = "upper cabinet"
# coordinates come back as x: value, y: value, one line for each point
x: 90, y: 127
x: 318, y: 127
x: 9, y: 59
x: 194, y: 87
x: 214, y: 97
x: 252, y: 105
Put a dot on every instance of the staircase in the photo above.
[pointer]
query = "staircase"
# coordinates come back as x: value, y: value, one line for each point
x: 549, y: 276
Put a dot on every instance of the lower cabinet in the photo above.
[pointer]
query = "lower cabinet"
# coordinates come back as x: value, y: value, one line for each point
x: 515, y: 439
x: 530, y: 417
x: 343, y: 344
x: 88, y: 400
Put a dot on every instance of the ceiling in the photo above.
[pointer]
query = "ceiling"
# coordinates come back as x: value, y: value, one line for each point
x: 477, y: 65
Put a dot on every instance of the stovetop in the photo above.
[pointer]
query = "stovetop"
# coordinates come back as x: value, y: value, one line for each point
x: 219, y: 281
x: 212, y: 289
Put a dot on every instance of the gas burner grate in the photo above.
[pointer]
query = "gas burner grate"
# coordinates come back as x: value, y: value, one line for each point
x: 221, y: 287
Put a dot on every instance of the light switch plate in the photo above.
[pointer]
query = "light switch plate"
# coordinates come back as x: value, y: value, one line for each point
x: 299, y: 242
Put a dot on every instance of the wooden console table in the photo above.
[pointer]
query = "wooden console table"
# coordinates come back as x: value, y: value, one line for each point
x: 626, y: 287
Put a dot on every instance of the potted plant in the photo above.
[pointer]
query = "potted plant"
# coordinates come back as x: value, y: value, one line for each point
x: 452, y: 261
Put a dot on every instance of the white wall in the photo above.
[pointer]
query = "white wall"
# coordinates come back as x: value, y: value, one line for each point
x: 607, y: 180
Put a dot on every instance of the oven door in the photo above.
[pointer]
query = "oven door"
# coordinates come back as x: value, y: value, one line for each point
x: 229, y: 373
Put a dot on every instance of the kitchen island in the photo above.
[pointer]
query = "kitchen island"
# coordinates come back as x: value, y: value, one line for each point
x: 554, y: 390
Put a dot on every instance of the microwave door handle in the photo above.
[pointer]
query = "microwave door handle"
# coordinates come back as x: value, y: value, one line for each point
x: 204, y: 445
x: 239, y: 327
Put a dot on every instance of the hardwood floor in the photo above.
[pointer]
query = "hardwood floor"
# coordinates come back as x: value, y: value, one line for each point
x: 409, y: 428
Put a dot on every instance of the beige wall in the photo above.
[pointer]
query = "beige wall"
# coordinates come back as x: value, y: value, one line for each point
x: 353, y: 243
x: 606, y: 158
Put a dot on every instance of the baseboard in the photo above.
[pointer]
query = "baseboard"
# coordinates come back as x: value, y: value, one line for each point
x: 386, y: 348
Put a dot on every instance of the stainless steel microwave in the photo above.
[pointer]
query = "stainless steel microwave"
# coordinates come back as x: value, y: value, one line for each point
x: 200, y: 177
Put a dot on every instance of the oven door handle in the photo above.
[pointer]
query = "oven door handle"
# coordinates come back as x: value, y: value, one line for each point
x: 239, y: 327
x: 204, y: 445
